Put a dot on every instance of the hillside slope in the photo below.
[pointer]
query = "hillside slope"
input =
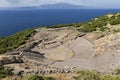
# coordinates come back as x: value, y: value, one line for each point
x: 93, y: 45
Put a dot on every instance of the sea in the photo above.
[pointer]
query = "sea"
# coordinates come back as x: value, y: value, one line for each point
x: 12, y: 21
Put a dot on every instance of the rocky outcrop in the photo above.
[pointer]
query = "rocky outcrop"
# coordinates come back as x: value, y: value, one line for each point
x: 108, y: 43
x: 8, y: 59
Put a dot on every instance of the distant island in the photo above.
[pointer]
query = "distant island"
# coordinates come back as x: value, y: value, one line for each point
x: 52, y: 6
x: 61, y: 6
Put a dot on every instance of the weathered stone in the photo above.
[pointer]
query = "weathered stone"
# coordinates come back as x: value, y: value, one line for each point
x: 18, y: 73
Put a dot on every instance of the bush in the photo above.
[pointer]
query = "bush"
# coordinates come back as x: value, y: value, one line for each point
x: 116, y: 30
x: 88, y: 29
x: 5, y: 72
x: 104, y: 29
x: 14, y: 41
x: 60, y: 26
x: 115, y: 21
x: 37, y: 77
x: 48, y: 78
x: 88, y: 75
x: 117, y: 72
x: 94, y: 24
x: 108, y: 77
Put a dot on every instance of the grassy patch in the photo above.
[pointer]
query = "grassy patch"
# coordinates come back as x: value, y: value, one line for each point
x: 37, y: 77
x: 4, y: 72
x: 93, y: 75
x: 14, y: 41
x: 60, y: 26
x: 87, y: 75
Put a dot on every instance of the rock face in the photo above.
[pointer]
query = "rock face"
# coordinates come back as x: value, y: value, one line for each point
x: 63, y: 50
x: 108, y: 43
x: 7, y: 59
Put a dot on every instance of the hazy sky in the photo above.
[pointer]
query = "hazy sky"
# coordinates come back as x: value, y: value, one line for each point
x: 91, y: 3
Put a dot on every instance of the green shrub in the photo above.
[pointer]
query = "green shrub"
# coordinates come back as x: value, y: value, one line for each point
x: 107, y: 77
x: 117, y: 72
x: 5, y: 72
x: 88, y: 75
x: 37, y: 77
x: 94, y: 24
x: 48, y: 78
x: 104, y: 29
x: 14, y: 41
x: 88, y: 29
x: 115, y: 21
x: 116, y: 30
x: 60, y: 26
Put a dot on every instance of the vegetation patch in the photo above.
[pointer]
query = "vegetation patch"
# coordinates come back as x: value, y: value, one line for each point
x: 60, y: 26
x: 93, y: 75
x: 37, y: 77
x: 87, y: 75
x: 14, y: 41
x: 4, y: 72
x: 94, y: 24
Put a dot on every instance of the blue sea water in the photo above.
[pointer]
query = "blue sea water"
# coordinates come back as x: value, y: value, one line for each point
x: 12, y: 21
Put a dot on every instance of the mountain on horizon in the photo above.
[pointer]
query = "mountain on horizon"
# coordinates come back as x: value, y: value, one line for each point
x: 61, y: 6
x: 51, y: 6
